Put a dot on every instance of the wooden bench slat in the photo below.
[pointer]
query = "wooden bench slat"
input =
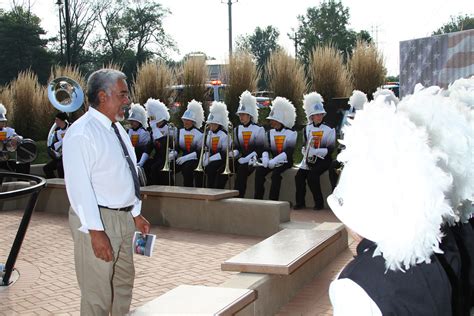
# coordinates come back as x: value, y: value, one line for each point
x: 283, y: 252
x: 198, y: 300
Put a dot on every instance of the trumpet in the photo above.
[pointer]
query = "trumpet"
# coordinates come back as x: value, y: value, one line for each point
x: 166, y: 167
x: 200, y: 166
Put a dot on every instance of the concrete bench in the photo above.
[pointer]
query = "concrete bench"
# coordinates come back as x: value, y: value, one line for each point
x: 194, y: 208
x: 187, y: 193
x: 198, y: 300
x: 282, y: 264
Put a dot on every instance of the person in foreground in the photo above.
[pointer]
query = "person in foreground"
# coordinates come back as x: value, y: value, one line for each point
x: 392, y: 194
x: 103, y: 189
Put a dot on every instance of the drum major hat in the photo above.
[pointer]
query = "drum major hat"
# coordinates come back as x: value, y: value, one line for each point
x: 391, y: 189
x: 283, y: 111
x: 313, y: 104
x: 195, y: 113
x: 218, y: 114
x: 3, y: 113
x: 248, y: 105
x: 156, y: 111
x: 137, y: 113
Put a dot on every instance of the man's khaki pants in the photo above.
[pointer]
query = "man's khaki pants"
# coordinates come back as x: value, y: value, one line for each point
x: 106, y: 287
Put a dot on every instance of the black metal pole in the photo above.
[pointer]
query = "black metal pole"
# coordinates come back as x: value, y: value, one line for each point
x: 20, y: 235
x: 68, y: 32
x: 229, y: 3
x: 61, y: 32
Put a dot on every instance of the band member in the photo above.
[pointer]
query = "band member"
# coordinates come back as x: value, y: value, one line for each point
x: 138, y: 132
x: 392, y: 195
x: 281, y: 144
x: 216, y: 145
x: 248, y: 140
x: 190, y: 143
x: 320, y: 140
x: 56, y: 147
x: 159, y: 117
x: 356, y: 101
x: 9, y: 138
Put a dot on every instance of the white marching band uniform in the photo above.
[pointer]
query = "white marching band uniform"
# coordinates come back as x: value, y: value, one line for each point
x: 278, y: 155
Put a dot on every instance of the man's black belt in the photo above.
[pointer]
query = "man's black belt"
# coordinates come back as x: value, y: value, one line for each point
x: 120, y: 209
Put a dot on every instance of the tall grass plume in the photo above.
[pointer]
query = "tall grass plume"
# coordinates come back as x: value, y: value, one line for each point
x: 241, y: 74
x: 367, y: 67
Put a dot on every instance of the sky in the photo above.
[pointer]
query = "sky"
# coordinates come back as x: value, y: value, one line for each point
x: 202, y: 25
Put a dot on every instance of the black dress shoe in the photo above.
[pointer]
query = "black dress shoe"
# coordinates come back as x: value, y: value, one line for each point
x: 299, y: 207
x: 318, y: 208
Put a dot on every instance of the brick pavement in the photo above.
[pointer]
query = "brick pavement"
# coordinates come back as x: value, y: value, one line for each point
x: 47, y: 284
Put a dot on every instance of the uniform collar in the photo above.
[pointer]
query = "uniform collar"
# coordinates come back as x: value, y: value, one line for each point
x: 316, y: 125
x: 364, y: 245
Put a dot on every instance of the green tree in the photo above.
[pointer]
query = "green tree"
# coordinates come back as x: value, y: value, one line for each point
x: 261, y: 44
x: 21, y: 46
x: 134, y: 33
x: 327, y: 24
x: 459, y: 23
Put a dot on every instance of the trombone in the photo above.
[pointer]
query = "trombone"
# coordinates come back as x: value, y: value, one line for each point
x: 200, y: 167
x: 166, y: 167
x: 230, y: 149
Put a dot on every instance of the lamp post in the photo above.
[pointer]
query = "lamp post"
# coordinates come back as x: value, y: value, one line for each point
x: 68, y: 32
x: 229, y: 4
x: 60, y: 11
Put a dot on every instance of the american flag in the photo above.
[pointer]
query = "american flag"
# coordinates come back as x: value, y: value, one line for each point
x: 436, y: 60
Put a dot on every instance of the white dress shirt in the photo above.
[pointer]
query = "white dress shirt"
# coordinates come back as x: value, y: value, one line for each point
x: 348, y: 298
x: 95, y: 169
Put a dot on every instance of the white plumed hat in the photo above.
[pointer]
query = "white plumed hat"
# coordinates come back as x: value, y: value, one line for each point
x: 195, y: 113
x: 391, y: 190
x: 283, y: 111
x: 387, y: 94
x: 156, y: 111
x: 3, y: 113
x: 357, y: 100
x: 450, y: 132
x: 462, y: 90
x: 218, y: 114
x: 248, y: 105
x: 137, y: 113
x: 313, y: 104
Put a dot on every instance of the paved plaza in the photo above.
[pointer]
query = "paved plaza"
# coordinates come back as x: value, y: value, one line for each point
x: 47, y: 283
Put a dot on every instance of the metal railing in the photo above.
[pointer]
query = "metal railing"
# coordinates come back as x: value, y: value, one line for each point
x: 34, y: 190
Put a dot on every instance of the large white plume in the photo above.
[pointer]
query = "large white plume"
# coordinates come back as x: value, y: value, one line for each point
x: 283, y: 111
x: 391, y: 189
x: 218, y: 114
x: 357, y: 100
x: 195, y: 107
x: 387, y: 94
x: 309, y: 102
x: 248, y: 104
x: 449, y: 132
x: 156, y: 111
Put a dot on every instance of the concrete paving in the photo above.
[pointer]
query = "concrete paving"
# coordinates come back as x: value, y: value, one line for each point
x: 47, y: 283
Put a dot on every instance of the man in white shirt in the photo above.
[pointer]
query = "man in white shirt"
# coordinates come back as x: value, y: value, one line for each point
x: 101, y: 182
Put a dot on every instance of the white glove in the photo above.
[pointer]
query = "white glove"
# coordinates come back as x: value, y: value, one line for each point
x: 234, y: 153
x: 319, y: 152
x: 215, y: 157
x: 57, y: 145
x: 185, y: 158
x: 271, y: 163
x: 280, y: 158
x: 205, y: 159
x: 252, y: 161
x: 303, y: 150
x: 265, y: 159
x: 246, y: 159
x: 172, y: 155
x: 143, y: 159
